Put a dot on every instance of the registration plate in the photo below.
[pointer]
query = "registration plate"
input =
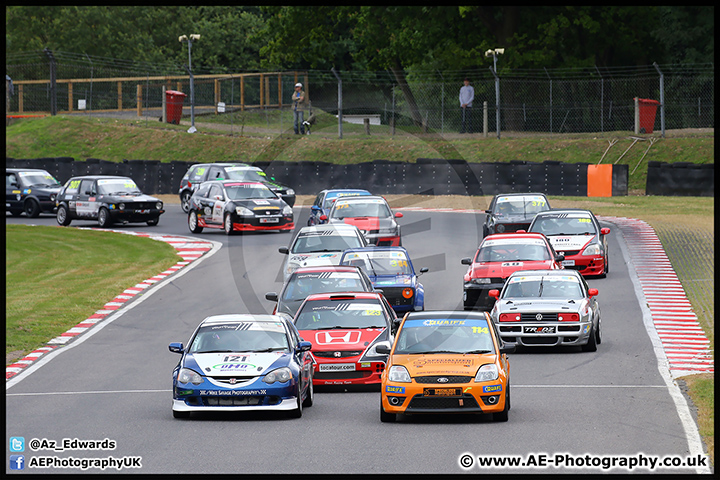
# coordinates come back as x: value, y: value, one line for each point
x: 142, y: 211
x: 269, y: 220
x: 441, y: 392
x: 337, y: 367
x: 568, y: 263
x: 539, y: 329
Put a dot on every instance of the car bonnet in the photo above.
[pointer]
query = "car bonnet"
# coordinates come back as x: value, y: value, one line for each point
x: 340, y: 338
x: 443, y: 363
x: 238, y: 363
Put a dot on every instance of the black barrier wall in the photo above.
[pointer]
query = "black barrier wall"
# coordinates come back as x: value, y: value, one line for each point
x: 681, y: 179
x: 428, y: 176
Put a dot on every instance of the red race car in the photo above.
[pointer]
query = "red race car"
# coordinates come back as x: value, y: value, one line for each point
x: 497, y: 257
x: 371, y: 215
x: 345, y: 330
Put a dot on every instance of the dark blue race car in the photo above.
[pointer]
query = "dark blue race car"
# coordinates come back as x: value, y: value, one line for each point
x: 392, y: 272
x: 243, y: 363
x: 325, y: 199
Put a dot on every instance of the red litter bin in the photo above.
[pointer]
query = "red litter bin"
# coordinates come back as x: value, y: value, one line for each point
x: 648, y: 109
x: 174, y: 105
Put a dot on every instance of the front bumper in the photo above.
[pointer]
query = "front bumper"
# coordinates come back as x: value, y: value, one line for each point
x: 585, y: 264
x: 257, y: 395
x: 383, y: 240
x: 256, y: 224
x: 410, y: 398
x: 476, y: 295
x: 565, y: 334
x: 134, y: 216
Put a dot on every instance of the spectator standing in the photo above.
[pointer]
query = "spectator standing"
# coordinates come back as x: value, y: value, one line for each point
x: 298, y: 100
x: 467, y: 95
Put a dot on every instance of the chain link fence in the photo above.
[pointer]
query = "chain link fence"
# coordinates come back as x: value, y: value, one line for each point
x: 532, y: 101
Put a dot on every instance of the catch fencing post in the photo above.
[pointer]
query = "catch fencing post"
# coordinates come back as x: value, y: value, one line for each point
x: 662, y: 99
x: 340, y: 129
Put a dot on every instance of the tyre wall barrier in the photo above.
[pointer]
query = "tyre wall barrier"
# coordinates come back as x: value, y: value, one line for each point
x: 681, y: 179
x: 428, y: 176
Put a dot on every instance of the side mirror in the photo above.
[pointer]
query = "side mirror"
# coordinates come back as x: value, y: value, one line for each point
x: 592, y: 292
x: 176, y: 347
x: 488, y: 212
x: 315, y: 208
x: 323, y: 217
x: 303, y: 346
x: 604, y: 230
x: 398, y: 215
x: 507, y: 348
x: 218, y: 197
x: 423, y: 270
x: 559, y: 257
x: 466, y: 261
x: 494, y: 293
x: 284, y: 250
x: 382, y: 349
x: 272, y: 296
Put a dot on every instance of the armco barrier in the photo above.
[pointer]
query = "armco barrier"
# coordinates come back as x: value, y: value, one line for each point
x: 681, y: 179
x: 429, y: 176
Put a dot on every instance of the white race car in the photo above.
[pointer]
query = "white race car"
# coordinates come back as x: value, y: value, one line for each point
x: 320, y: 245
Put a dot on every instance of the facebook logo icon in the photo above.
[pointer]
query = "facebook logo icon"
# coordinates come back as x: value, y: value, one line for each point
x: 17, y: 462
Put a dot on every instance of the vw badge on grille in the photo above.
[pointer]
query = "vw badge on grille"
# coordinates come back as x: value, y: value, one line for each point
x: 442, y: 380
x: 538, y: 317
x: 337, y: 354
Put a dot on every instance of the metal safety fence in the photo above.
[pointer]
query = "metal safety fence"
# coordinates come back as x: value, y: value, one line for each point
x: 537, y: 101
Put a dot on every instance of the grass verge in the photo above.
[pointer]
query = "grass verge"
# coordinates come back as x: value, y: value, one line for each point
x: 56, y: 277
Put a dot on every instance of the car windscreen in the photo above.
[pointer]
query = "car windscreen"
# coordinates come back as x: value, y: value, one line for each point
x: 37, y: 179
x: 240, y: 337
x: 118, y: 186
x: 300, y: 285
x: 541, y: 286
x: 564, y: 224
x: 375, y: 208
x: 325, y: 243
x: 379, y: 263
x: 246, y: 174
x: 444, y: 335
x: 521, y: 205
x: 334, y: 196
x: 245, y: 191
x: 336, y: 314
x: 507, y: 250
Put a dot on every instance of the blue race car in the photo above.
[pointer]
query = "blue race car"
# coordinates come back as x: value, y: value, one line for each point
x: 324, y: 202
x: 392, y: 272
x: 242, y: 363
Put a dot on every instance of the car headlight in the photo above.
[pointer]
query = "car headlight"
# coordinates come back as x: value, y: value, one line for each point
x: 244, y: 212
x: 480, y: 281
x: 121, y: 206
x: 593, y: 249
x: 486, y: 373
x: 52, y: 197
x: 290, y: 191
x: 189, y: 376
x: 280, y: 375
x: 291, y: 268
x: 398, y: 373
x: 500, y: 228
x: 287, y: 210
x: 158, y: 205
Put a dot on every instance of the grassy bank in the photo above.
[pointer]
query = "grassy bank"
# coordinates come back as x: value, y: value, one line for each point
x: 117, y: 139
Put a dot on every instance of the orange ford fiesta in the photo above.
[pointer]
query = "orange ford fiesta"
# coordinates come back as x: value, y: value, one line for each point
x: 446, y: 362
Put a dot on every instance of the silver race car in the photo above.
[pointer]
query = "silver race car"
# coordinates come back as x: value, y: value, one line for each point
x: 547, y: 308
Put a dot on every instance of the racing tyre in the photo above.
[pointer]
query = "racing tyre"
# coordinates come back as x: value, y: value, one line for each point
x: 153, y: 222
x: 308, y: 402
x: 503, y: 416
x: 177, y: 414
x: 386, y: 417
x: 104, y: 218
x: 31, y: 208
x: 591, y: 345
x: 193, y: 222
x: 228, y: 225
x: 598, y: 335
x: 62, y: 216
x: 297, y: 412
x: 185, y: 201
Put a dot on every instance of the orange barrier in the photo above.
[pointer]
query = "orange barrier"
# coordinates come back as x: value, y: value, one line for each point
x: 24, y: 116
x: 599, y: 180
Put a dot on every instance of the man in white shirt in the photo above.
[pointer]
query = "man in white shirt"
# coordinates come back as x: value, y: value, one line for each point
x: 467, y: 94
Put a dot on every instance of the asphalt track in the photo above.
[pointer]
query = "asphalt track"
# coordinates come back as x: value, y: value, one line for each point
x: 114, y: 382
